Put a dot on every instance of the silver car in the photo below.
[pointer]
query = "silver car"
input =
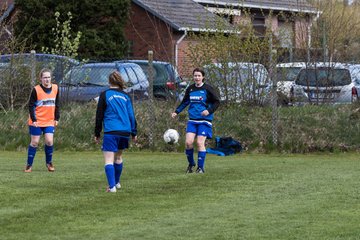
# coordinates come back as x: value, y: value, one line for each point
x: 327, y: 82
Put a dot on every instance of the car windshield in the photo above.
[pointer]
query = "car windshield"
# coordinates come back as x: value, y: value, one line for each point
x: 323, y: 77
x: 88, y: 75
x: 160, y: 72
x: 287, y: 73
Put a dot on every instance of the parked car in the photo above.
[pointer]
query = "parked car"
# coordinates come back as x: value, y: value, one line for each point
x: 167, y: 81
x: 239, y: 81
x: 286, y: 74
x: 85, y: 83
x: 60, y: 65
x: 327, y: 83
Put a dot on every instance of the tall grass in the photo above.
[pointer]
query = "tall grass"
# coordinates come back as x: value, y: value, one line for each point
x: 300, y: 129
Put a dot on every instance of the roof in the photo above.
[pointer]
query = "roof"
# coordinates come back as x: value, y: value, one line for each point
x: 183, y: 14
x: 280, y: 5
x: 192, y: 15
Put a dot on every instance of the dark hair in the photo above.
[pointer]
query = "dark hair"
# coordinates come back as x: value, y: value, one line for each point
x: 42, y: 71
x: 116, y: 79
x: 199, y: 70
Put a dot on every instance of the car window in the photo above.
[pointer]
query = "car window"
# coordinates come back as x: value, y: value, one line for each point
x: 58, y: 64
x: 174, y: 76
x: 287, y: 73
x: 124, y: 74
x: 139, y: 73
x: 160, y: 74
x: 132, y: 76
x: 323, y: 77
x: 95, y: 75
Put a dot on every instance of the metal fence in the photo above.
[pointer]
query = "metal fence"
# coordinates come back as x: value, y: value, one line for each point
x: 261, y: 114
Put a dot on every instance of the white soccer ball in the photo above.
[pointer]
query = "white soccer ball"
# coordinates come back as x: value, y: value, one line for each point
x: 171, y: 136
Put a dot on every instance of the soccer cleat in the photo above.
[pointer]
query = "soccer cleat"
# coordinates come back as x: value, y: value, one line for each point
x: 28, y: 169
x: 113, y: 189
x: 200, y: 170
x: 118, y: 186
x: 190, y: 169
x: 50, y: 167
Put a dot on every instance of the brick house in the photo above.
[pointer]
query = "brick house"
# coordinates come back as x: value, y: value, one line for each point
x: 163, y: 25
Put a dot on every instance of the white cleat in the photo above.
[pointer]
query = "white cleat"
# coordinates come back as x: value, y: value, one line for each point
x: 118, y: 186
x: 113, y: 189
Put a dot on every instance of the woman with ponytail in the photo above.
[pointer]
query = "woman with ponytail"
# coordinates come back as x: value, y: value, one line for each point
x: 115, y: 114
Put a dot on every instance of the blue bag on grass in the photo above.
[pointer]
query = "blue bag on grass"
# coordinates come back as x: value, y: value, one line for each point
x: 225, y: 146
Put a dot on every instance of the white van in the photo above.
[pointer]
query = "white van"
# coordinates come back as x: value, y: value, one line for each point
x: 239, y: 81
x: 327, y: 82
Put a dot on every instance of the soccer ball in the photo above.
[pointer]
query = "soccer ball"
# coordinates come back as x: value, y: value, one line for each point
x: 171, y: 136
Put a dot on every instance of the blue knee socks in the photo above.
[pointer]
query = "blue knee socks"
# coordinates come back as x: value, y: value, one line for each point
x: 118, y: 170
x: 110, y: 174
x: 190, y: 156
x: 201, y: 159
x: 31, y: 155
x: 48, y: 153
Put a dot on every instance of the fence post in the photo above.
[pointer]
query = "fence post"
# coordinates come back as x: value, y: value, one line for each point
x: 33, y: 67
x: 273, y: 77
x: 151, y: 98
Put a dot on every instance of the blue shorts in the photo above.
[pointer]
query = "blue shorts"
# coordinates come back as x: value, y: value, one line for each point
x: 114, y: 143
x: 37, y: 131
x: 200, y: 129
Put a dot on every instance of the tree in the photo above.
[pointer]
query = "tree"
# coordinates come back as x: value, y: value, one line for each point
x: 337, y: 31
x: 100, y: 22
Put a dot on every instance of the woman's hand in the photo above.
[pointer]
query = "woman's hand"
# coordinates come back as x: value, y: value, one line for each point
x: 205, y: 113
x: 174, y: 114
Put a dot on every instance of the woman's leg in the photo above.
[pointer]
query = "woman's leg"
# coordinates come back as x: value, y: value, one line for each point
x: 118, y: 166
x: 189, y: 145
x: 200, y: 140
x: 109, y: 169
x: 34, y: 142
x: 49, y: 149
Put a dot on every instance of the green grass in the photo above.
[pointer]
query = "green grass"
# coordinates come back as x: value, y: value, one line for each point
x: 249, y: 196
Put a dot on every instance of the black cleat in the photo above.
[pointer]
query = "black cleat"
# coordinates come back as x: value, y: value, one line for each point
x: 190, y: 169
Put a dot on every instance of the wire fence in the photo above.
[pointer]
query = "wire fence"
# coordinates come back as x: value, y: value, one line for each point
x: 260, y: 106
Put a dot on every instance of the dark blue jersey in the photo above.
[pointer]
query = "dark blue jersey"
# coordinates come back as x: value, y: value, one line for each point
x: 200, y: 99
x: 115, y: 112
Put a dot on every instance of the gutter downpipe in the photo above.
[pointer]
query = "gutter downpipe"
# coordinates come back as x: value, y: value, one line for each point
x: 177, y: 50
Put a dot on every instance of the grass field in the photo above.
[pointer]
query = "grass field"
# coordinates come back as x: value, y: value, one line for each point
x: 246, y: 196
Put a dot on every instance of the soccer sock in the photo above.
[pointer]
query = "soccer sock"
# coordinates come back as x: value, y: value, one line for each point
x: 190, y: 156
x: 48, y: 153
x: 110, y: 174
x: 31, y: 155
x: 201, y: 159
x: 118, y: 170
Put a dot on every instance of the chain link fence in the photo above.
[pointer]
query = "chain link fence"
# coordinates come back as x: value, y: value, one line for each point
x: 257, y: 119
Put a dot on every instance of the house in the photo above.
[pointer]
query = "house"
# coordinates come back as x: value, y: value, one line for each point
x: 163, y: 25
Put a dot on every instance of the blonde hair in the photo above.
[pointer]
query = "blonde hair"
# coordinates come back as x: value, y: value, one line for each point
x: 42, y: 71
x: 116, y: 79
